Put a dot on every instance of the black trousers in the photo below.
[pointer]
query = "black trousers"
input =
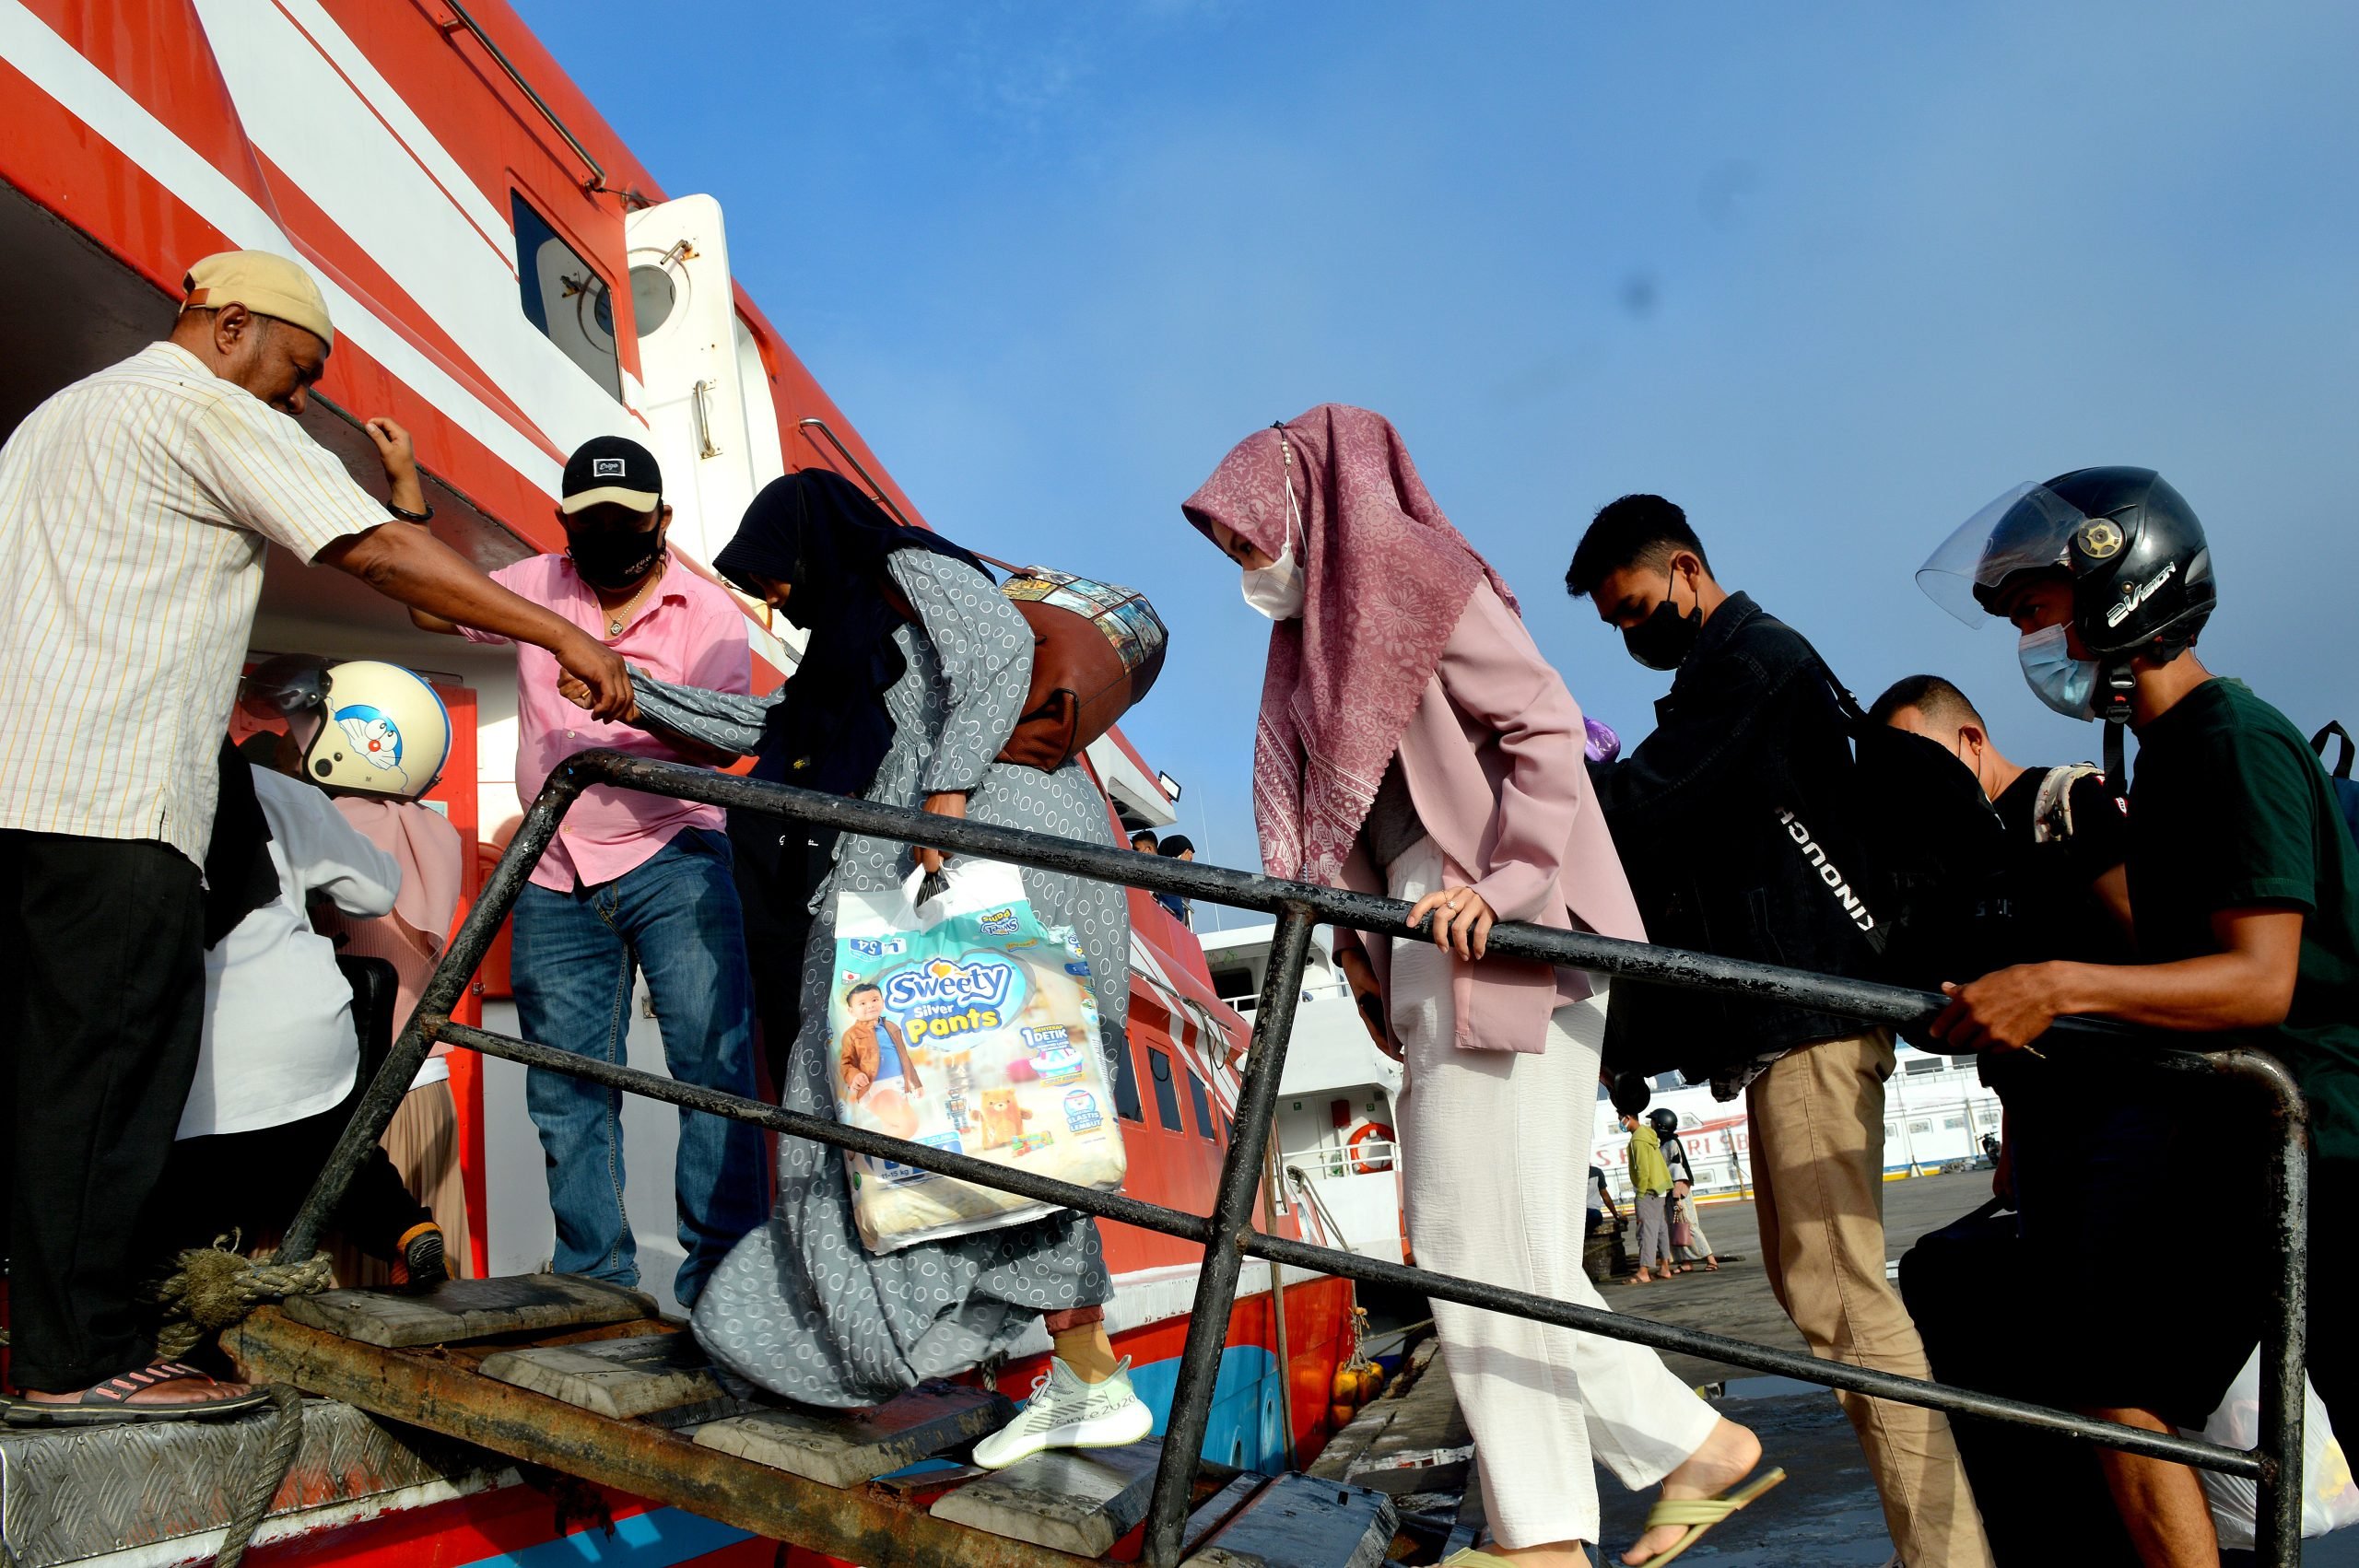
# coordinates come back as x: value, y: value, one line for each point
x: 99, y: 1038
x: 2334, y: 1294
x: 776, y: 865
x: 251, y: 1183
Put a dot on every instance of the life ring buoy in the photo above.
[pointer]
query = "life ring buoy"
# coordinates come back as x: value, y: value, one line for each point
x: 1369, y: 1165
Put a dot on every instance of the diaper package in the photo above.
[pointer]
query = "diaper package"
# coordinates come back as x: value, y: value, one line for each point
x: 966, y: 1025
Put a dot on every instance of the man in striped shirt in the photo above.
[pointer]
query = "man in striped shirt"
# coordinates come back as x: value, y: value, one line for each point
x: 135, y: 507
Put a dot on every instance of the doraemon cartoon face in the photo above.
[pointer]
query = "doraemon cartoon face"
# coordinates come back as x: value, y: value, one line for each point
x: 374, y: 737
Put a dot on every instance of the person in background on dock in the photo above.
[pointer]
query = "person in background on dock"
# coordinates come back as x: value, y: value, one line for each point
x: 1412, y: 742
x: 385, y: 806
x: 911, y: 683
x: 632, y: 883
x: 1144, y: 842
x: 1726, y: 815
x: 1650, y: 1194
x: 1600, y: 1200
x: 1697, y: 1247
x: 2244, y: 888
x: 135, y: 507
x: 1178, y: 846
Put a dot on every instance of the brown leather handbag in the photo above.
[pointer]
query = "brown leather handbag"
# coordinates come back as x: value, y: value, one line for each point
x: 1096, y: 650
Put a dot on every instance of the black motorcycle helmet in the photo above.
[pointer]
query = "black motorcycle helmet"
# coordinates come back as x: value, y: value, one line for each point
x: 2139, y: 566
x: 1664, y: 1120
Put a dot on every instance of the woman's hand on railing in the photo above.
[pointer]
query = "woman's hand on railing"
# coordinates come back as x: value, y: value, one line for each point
x: 950, y: 803
x: 1463, y: 922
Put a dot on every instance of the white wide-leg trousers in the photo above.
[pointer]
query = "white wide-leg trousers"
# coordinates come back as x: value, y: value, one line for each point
x: 1496, y: 1148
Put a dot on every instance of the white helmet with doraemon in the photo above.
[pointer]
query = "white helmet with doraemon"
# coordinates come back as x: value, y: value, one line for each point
x: 364, y: 727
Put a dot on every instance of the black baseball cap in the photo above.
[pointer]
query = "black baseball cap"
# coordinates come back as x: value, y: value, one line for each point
x: 611, y: 470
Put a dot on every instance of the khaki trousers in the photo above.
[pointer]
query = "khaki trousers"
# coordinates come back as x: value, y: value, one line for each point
x: 1817, y: 1121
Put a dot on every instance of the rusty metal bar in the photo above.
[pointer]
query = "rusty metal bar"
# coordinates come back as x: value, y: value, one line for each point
x: 1232, y: 1224
x: 856, y: 1523
x: 443, y: 991
x: 2275, y: 1464
x: 2277, y: 1534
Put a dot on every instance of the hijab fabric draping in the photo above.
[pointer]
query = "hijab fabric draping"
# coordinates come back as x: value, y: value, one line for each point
x: 1387, y: 578
x: 238, y: 875
x: 817, y: 531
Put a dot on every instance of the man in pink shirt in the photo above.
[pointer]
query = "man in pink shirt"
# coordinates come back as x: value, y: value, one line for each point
x: 631, y: 880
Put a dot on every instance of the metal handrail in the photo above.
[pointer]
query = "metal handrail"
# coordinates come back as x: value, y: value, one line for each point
x: 883, y: 499
x: 1228, y: 1234
x: 597, y: 180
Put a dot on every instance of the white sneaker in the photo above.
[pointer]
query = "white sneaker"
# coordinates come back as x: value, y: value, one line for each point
x: 1065, y: 1412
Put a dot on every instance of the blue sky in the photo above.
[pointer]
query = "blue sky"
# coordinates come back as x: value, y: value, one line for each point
x: 1829, y: 276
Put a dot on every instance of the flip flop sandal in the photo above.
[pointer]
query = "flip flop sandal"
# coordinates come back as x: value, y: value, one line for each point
x: 110, y: 1402
x: 1467, y: 1557
x: 1700, y: 1514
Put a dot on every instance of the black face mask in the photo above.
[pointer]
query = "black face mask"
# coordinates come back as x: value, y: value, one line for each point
x: 1665, y: 638
x: 615, y: 561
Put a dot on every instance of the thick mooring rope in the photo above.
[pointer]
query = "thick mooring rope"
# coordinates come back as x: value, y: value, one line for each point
x: 214, y: 1287
x: 265, y: 1475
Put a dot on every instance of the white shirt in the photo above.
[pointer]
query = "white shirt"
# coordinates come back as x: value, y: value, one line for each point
x: 134, y: 505
x: 279, y: 1042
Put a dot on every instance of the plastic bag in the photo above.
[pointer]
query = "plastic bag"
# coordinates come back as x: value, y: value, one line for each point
x: 2329, y: 1500
x: 964, y: 1024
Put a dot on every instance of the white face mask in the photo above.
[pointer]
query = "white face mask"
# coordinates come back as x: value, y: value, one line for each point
x: 1278, y: 588
x: 2067, y: 685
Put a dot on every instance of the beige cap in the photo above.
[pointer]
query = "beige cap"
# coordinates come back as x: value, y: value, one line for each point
x: 265, y: 283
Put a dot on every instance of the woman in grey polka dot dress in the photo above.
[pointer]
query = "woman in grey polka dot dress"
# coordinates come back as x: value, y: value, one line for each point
x: 915, y: 675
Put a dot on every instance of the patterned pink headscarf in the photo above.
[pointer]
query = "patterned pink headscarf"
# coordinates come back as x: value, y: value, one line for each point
x: 1385, y: 580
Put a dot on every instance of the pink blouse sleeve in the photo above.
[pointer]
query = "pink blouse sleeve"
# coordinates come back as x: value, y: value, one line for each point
x: 1492, y: 673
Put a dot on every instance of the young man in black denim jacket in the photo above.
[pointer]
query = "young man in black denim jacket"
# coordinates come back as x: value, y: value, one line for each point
x: 1733, y: 820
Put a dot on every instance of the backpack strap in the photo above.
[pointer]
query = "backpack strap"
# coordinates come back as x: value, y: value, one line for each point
x: 2334, y: 733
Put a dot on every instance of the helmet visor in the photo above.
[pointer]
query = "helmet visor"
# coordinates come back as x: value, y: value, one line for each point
x: 2027, y: 529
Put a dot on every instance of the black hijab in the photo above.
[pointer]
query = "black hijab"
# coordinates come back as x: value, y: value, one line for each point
x: 238, y: 875
x: 818, y: 532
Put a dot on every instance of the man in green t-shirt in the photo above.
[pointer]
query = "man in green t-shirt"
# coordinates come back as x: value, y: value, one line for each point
x: 2244, y: 884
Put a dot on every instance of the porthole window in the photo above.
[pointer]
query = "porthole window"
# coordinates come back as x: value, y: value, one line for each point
x: 566, y: 298
x: 652, y: 296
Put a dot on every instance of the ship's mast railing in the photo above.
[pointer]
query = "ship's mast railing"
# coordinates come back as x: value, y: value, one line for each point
x: 1227, y: 1235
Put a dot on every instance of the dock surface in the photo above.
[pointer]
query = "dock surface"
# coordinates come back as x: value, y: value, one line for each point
x: 1826, y: 1516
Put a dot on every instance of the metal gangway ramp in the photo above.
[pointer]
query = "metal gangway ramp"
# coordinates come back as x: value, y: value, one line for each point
x: 584, y: 1379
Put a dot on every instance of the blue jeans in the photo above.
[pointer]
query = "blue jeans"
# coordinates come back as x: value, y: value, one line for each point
x: 675, y: 918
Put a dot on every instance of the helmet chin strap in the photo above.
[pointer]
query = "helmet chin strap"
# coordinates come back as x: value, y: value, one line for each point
x: 2115, y: 685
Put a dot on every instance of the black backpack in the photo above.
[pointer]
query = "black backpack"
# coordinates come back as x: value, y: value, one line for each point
x: 2346, y: 789
x: 1942, y: 900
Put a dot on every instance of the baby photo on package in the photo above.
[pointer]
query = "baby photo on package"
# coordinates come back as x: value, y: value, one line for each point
x: 965, y: 1024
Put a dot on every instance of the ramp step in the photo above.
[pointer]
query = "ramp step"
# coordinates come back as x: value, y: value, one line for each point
x: 618, y: 1378
x: 1297, y: 1522
x: 849, y: 1447
x: 1219, y: 1509
x: 1080, y: 1501
x: 469, y: 1309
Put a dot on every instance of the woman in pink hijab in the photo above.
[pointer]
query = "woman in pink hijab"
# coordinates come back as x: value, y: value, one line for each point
x: 1412, y: 743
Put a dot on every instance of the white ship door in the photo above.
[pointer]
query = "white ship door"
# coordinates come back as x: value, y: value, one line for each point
x: 707, y: 399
